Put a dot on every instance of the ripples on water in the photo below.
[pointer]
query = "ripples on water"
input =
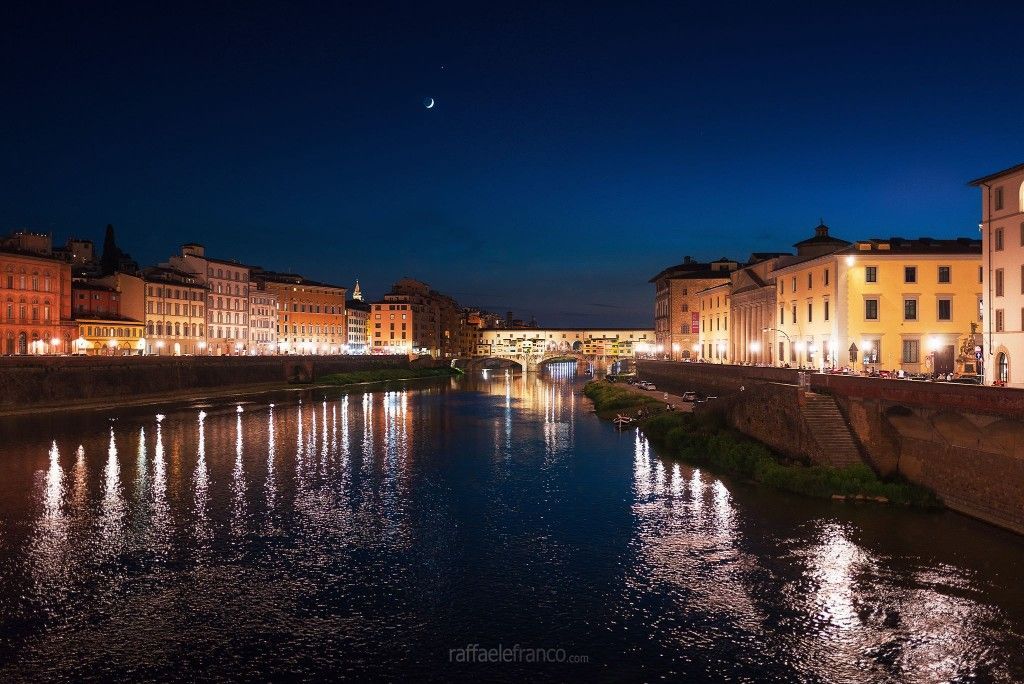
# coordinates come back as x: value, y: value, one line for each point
x: 368, y: 534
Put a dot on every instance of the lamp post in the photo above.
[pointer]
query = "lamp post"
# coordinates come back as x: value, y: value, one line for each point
x: 933, y: 349
x: 783, y: 333
x: 675, y: 351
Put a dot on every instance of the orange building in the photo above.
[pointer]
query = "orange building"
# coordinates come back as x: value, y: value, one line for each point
x: 35, y: 296
x: 310, y: 315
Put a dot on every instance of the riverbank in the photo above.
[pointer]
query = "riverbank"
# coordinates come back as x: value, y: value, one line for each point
x: 705, y: 439
x: 346, y: 379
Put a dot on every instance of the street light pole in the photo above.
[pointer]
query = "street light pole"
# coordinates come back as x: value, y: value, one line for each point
x: 784, y: 334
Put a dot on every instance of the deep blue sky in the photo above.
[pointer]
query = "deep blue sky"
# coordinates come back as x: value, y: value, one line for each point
x: 574, y: 150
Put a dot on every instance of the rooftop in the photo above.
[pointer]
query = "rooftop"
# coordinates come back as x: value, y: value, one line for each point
x: 997, y: 174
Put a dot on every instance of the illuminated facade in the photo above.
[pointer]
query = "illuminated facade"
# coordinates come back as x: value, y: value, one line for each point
x: 263, y: 307
x: 677, y: 304
x: 713, y: 344
x: 415, y: 319
x: 357, y: 317
x: 109, y: 336
x: 1002, y: 230
x: 175, y: 312
x: 310, y: 314
x: 882, y: 303
x: 35, y: 296
x: 227, y: 303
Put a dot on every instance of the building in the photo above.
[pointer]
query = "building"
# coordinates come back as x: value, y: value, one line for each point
x: 357, y: 316
x: 102, y: 326
x: 677, y: 303
x: 262, y: 319
x: 175, y: 312
x: 714, y: 341
x: 227, y: 299
x: 310, y: 314
x: 752, y: 304
x: 415, y: 319
x: 881, y: 303
x: 1002, y: 231
x: 391, y: 326
x: 35, y: 296
x: 499, y: 342
x: 109, y: 335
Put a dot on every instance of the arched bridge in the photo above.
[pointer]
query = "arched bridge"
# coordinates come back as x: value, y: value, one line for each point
x: 531, y: 362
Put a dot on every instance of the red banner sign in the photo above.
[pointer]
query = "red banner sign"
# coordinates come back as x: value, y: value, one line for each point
x: 694, y: 322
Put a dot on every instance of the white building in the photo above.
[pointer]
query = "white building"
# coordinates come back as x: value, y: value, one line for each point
x: 227, y: 310
x: 1002, y: 229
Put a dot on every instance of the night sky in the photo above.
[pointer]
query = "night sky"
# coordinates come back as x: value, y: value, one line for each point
x: 573, y: 152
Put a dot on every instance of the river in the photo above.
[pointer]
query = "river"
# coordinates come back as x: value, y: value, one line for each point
x: 324, y: 534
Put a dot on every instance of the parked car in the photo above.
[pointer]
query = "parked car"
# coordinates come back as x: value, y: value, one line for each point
x: 644, y: 385
x: 689, y: 396
x: 968, y: 380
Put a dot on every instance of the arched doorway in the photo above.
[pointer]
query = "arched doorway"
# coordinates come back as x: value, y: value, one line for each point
x: 1003, y: 367
x: 22, y: 343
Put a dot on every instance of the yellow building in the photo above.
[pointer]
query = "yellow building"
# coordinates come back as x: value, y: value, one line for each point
x: 713, y: 344
x: 885, y: 304
x: 109, y: 337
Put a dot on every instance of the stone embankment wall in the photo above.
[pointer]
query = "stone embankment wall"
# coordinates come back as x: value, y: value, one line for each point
x: 35, y: 381
x: 963, y: 442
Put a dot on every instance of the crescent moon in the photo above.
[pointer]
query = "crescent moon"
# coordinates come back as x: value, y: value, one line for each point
x: 428, y: 102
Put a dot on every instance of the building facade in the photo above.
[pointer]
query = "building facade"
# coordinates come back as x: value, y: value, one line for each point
x: 357, y: 317
x: 263, y: 310
x: 227, y: 299
x: 415, y: 319
x: 677, y: 304
x: 310, y: 314
x: 1002, y: 231
x: 175, y: 303
x: 891, y: 304
x: 35, y: 293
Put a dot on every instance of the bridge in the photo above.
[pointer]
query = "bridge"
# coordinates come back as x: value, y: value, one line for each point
x: 533, y: 361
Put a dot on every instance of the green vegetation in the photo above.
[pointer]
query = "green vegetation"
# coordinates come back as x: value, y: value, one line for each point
x: 610, y: 399
x: 385, y: 374
x: 705, y: 439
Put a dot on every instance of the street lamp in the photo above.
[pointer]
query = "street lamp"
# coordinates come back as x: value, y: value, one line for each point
x: 675, y: 350
x: 755, y: 348
x: 933, y: 347
x: 201, y: 345
x: 784, y: 334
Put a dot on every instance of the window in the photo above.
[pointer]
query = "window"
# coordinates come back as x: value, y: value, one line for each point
x: 998, y: 199
x: 870, y: 274
x: 871, y: 309
x: 810, y: 281
x: 999, y: 239
x: 782, y: 315
x: 943, y: 274
x: 826, y: 277
x: 911, y: 351
x: 999, y: 282
x: 1004, y: 367
x: 872, y: 350
x: 910, y: 274
x: 826, y: 309
x: 981, y: 274
x: 945, y: 309
x: 810, y: 312
x: 999, y: 320
x: 794, y: 312
x: 910, y: 309
x: 794, y: 283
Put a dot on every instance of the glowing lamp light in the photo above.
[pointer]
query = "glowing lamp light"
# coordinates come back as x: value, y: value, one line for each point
x: 755, y: 347
x: 850, y: 260
x: 111, y: 343
x: 675, y: 346
x: 799, y: 346
x: 159, y: 344
x: 934, y: 344
x: 55, y: 341
x: 202, y: 344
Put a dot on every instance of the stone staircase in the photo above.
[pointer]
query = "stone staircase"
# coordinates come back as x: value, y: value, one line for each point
x: 830, y: 430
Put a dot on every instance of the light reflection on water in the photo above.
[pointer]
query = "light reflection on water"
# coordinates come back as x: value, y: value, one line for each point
x: 282, y: 539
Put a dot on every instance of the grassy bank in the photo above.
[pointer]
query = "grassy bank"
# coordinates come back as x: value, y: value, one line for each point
x: 705, y: 439
x: 386, y: 374
x: 610, y: 399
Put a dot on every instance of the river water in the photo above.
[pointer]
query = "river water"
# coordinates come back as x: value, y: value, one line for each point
x: 396, y: 534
